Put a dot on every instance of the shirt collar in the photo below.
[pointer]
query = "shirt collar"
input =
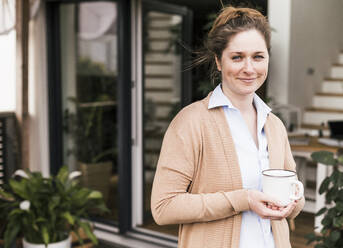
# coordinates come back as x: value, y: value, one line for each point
x: 260, y: 105
x: 218, y: 99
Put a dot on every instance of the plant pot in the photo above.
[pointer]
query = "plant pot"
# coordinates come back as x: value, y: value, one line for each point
x: 62, y: 244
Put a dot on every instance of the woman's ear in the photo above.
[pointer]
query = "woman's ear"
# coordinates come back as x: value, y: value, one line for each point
x: 219, y: 67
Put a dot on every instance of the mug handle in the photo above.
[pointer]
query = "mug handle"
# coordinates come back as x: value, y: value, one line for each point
x: 301, y: 190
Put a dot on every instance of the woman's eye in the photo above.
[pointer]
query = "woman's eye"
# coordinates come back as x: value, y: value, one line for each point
x: 259, y: 57
x: 236, y: 57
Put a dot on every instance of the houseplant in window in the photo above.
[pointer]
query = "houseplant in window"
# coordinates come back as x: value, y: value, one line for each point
x: 45, y: 211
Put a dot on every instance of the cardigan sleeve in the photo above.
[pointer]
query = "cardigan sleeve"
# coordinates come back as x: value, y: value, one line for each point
x: 290, y: 165
x: 171, y: 201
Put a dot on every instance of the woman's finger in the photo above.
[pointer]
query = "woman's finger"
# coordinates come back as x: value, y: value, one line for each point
x: 270, y: 200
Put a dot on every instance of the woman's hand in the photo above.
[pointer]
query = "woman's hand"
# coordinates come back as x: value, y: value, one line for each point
x: 267, y: 207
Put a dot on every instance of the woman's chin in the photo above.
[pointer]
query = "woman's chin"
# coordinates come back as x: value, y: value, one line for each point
x: 247, y: 91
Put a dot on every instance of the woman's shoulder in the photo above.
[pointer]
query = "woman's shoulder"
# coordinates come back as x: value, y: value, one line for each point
x: 191, y: 115
x: 274, y: 118
x: 275, y: 121
x: 191, y: 112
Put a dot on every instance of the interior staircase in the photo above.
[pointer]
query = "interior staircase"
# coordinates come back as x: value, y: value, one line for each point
x: 326, y: 104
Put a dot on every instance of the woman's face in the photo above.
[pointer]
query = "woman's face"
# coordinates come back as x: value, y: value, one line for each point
x: 244, y: 63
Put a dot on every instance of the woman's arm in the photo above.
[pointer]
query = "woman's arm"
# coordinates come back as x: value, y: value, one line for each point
x: 171, y: 203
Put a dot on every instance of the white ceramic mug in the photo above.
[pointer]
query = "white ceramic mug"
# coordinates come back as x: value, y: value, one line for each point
x: 282, y: 185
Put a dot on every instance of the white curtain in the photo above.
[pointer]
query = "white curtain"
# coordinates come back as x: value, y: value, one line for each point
x: 38, y: 94
x: 7, y: 16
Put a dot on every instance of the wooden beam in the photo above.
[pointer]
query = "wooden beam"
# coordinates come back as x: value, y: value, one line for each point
x: 22, y: 59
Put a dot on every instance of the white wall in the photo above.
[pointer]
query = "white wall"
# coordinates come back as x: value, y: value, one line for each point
x: 38, y: 95
x: 279, y: 15
x: 307, y: 35
x: 7, y: 72
x: 316, y: 39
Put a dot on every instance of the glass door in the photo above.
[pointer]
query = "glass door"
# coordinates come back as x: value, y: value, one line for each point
x: 89, y: 82
x: 166, y: 33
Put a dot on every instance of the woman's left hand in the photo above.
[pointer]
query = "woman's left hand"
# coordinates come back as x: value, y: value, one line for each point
x: 287, y: 209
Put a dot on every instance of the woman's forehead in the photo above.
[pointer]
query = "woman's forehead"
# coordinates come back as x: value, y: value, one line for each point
x: 247, y: 41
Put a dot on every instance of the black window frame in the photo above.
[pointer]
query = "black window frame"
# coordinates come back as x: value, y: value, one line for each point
x: 187, y: 27
x: 123, y: 96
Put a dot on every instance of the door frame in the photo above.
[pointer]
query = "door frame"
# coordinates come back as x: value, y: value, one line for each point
x: 138, y: 6
x: 123, y: 95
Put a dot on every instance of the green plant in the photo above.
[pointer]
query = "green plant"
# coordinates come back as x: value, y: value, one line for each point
x: 89, y: 130
x: 45, y: 210
x: 86, y: 66
x: 331, y: 234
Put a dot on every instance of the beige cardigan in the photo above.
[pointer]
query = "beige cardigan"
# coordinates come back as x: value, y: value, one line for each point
x: 198, y: 182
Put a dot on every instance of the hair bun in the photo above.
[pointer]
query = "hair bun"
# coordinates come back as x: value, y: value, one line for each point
x: 239, y: 13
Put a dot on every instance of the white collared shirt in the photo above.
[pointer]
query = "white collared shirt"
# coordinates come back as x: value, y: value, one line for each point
x: 255, y: 231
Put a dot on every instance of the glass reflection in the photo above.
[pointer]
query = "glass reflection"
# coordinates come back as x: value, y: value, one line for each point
x: 162, y: 94
x: 89, y: 84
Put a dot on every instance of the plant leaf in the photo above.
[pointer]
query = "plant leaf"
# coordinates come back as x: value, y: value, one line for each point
x: 335, y: 235
x: 325, y: 185
x: 86, y: 227
x: 45, y: 235
x: 62, y: 175
x: 321, y: 211
x: 335, y: 176
x: 11, y: 233
x: 69, y: 218
x: 338, y: 222
x: 19, y: 188
x: 324, y: 157
x: 6, y: 196
x: 310, y: 238
x: 326, y: 221
x: 95, y: 195
x: 331, y: 195
x: 15, y: 212
x: 339, y: 206
x: 340, y: 159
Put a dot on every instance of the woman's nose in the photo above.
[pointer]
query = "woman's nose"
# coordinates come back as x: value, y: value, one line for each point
x: 248, y: 66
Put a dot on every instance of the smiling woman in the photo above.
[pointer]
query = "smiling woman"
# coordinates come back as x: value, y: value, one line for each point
x: 7, y: 72
x: 244, y: 64
x: 209, y: 173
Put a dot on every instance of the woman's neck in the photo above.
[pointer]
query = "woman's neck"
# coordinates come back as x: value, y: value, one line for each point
x: 243, y: 102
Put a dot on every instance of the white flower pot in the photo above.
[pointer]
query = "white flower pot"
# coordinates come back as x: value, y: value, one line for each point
x: 62, y: 244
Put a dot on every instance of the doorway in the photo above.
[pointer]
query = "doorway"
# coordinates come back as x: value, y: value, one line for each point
x: 163, y: 88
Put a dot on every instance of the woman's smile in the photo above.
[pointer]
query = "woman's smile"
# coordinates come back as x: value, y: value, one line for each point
x: 247, y: 80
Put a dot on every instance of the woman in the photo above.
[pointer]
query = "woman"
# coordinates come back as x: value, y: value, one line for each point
x: 208, y: 177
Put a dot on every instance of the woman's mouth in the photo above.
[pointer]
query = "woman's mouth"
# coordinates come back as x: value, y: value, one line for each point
x: 247, y: 80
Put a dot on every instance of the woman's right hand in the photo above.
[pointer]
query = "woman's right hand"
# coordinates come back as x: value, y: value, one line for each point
x: 259, y: 201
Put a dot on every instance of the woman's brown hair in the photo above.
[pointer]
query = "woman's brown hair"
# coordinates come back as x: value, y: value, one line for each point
x: 228, y: 23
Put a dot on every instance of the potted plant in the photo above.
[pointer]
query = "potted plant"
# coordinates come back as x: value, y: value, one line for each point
x: 45, y: 211
x: 331, y: 234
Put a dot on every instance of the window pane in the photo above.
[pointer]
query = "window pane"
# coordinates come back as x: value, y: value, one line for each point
x: 162, y: 94
x: 89, y: 84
